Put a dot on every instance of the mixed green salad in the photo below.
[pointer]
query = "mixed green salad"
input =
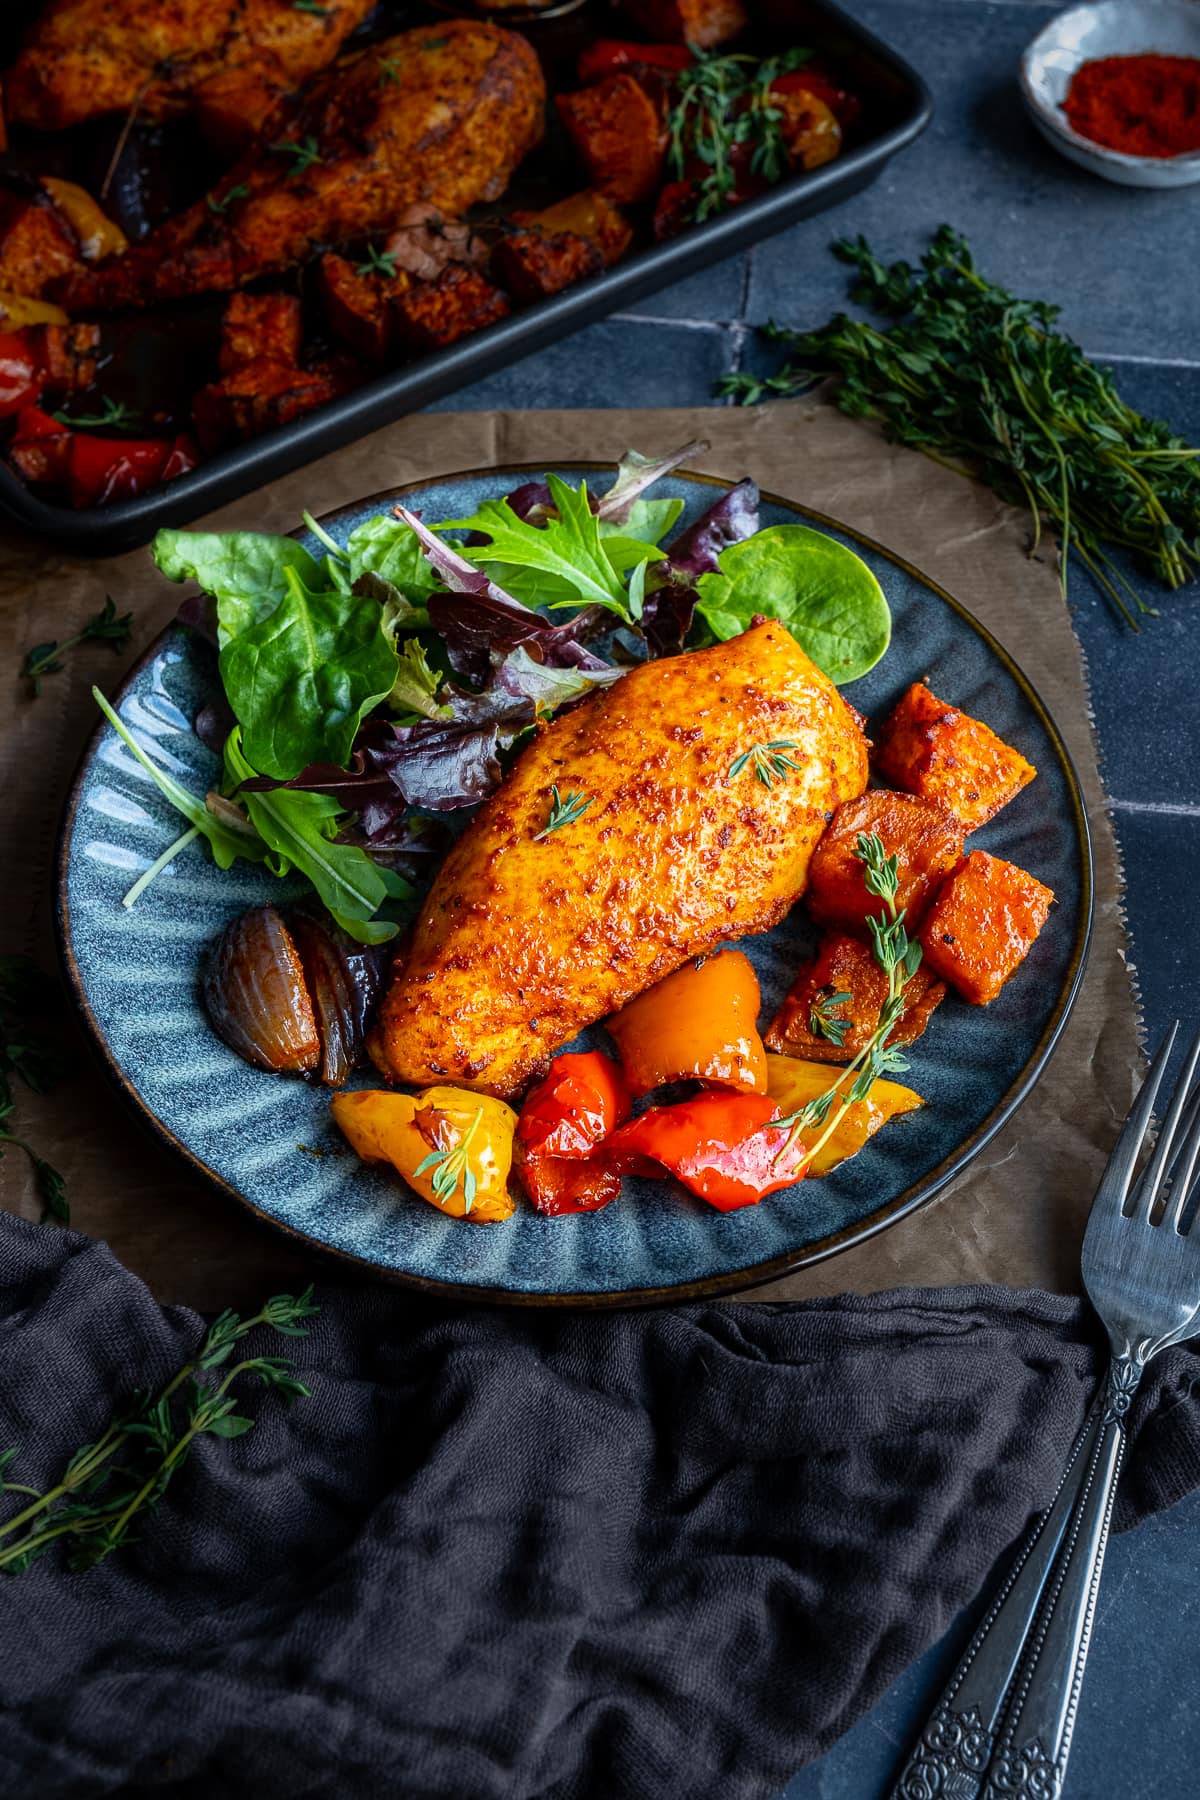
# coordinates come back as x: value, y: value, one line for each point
x: 372, y: 687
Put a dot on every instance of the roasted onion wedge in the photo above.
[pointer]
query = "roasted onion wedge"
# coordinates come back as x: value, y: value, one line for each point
x: 256, y: 995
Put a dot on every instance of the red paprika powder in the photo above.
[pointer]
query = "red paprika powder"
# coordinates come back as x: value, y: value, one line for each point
x: 1143, y: 105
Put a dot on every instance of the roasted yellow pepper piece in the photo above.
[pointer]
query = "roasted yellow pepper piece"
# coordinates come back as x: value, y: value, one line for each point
x: 794, y: 1083
x: 454, y: 1148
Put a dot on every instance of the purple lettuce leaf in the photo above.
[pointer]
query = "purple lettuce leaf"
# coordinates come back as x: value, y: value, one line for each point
x: 441, y: 765
x: 636, y: 473
x: 480, y: 623
x: 670, y: 607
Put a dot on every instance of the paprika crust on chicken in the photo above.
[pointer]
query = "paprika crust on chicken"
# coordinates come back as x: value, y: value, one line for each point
x: 230, y: 63
x: 526, y: 938
x: 439, y: 117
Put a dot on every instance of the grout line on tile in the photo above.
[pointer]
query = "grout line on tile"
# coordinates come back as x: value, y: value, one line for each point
x: 747, y: 277
x: 1171, y: 809
x: 624, y: 318
x: 1160, y: 362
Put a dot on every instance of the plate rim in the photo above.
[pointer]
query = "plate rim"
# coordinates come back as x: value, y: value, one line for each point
x: 919, y: 1194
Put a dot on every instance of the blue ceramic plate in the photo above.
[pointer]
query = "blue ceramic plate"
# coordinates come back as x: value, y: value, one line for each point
x: 134, y: 974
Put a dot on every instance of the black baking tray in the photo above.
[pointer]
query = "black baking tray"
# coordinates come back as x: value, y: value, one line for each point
x: 897, y: 106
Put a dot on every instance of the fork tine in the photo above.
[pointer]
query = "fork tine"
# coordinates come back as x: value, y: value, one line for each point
x: 1118, y: 1171
x: 1150, y: 1185
x: 1183, y: 1163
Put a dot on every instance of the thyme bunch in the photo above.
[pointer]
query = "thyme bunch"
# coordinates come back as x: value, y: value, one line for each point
x: 108, y: 1485
x: 987, y: 385
x: 899, y: 958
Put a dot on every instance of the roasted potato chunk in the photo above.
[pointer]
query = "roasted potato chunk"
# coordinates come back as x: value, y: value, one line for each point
x: 845, y: 988
x: 925, y: 839
x: 983, y: 924
x: 932, y: 749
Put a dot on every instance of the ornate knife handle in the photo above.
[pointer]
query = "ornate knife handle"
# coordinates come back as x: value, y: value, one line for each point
x: 1030, y: 1756
x: 955, y: 1749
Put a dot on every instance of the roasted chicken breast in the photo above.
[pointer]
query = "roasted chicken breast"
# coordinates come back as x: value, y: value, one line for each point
x: 441, y: 115
x: 230, y: 62
x: 525, y: 938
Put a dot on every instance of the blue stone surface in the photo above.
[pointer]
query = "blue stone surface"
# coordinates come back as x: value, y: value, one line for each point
x: 1122, y: 263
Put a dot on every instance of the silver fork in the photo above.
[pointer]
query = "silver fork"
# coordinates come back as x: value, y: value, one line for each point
x: 1004, y: 1723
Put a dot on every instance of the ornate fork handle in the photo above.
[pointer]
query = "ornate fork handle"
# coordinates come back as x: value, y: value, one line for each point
x: 952, y: 1757
x: 1030, y: 1756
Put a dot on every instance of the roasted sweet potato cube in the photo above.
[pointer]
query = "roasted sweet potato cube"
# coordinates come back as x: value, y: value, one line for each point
x: 532, y: 264
x: 551, y: 250
x: 432, y: 314
x: 983, y: 924
x: 67, y: 355
x: 620, y: 137
x: 925, y: 839
x: 587, y: 215
x: 36, y: 243
x: 701, y: 23
x: 932, y: 749
x: 356, y: 306
x: 260, y: 327
x: 839, y: 996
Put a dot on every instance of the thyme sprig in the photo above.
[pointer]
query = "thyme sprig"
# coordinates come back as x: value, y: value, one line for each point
x: 899, y: 958
x: 107, y: 1485
x: 27, y: 1050
x: 987, y: 385
x: 824, y: 1022
x: 564, y: 810
x: 721, y: 102
x: 377, y: 262
x: 239, y: 192
x: 114, y: 415
x: 104, y: 627
x: 770, y: 762
x: 304, y: 154
x: 452, y: 1165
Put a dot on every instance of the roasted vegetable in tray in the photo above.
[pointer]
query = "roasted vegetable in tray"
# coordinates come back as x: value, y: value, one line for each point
x: 383, y: 180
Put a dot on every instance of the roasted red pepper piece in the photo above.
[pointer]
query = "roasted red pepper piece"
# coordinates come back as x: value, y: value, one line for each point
x: 20, y: 374
x: 100, y: 470
x: 609, y: 56
x: 582, y: 1099
x: 41, y: 448
x: 557, y: 1186
x: 813, y: 79
x: 716, y: 1145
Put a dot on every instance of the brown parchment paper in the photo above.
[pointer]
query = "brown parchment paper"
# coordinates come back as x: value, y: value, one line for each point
x: 1015, y: 1217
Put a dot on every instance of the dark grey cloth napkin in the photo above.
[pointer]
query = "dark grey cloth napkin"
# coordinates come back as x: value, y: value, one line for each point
x: 500, y: 1555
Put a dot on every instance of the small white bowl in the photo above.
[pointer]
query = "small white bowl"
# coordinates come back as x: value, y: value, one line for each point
x: 1111, y: 28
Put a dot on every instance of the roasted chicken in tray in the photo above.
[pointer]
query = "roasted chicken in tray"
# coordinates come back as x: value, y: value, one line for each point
x: 228, y: 62
x: 441, y: 115
x: 526, y: 938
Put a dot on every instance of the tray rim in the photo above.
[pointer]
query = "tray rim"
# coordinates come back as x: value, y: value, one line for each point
x: 911, y: 1200
x: 237, y: 471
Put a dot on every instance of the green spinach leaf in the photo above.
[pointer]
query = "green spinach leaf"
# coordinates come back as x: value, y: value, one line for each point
x: 825, y: 595
x: 245, y: 571
x: 300, y: 680
x: 389, y: 548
